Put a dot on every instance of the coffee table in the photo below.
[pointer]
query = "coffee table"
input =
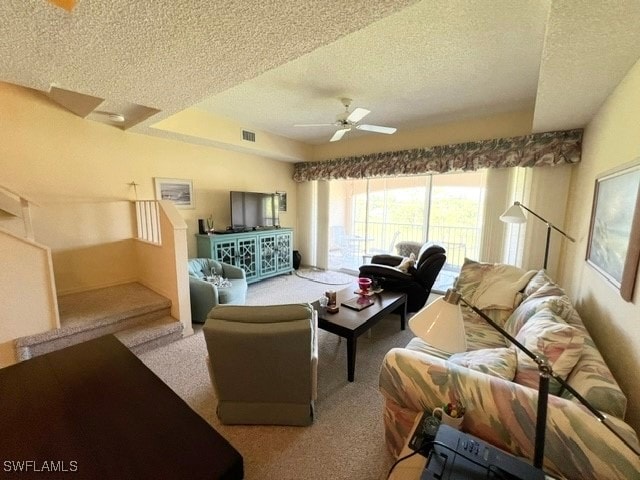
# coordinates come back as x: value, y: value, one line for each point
x: 350, y: 324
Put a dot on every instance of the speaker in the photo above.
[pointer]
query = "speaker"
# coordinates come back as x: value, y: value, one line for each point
x: 201, y: 228
x: 297, y: 258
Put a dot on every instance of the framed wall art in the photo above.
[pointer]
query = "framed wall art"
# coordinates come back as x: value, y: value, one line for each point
x: 614, y: 235
x: 179, y: 192
x: 282, y: 201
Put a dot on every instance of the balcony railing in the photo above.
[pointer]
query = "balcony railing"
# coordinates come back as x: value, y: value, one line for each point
x: 347, y: 250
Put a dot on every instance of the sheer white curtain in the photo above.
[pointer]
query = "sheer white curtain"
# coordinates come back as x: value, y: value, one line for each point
x: 545, y: 190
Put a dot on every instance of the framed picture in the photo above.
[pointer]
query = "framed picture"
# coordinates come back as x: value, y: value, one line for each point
x: 178, y: 191
x: 614, y: 235
x: 282, y: 201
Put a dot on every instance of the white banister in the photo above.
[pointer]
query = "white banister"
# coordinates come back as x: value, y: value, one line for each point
x: 19, y: 206
x: 148, y: 221
x: 162, y: 267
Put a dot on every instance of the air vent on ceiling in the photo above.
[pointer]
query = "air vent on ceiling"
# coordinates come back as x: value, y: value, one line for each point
x: 248, y: 136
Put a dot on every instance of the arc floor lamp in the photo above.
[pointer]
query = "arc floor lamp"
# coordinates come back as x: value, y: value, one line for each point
x: 515, y: 214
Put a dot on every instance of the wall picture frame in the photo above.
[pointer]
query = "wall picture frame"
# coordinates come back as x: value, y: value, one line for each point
x: 614, y: 234
x: 282, y: 201
x: 178, y: 191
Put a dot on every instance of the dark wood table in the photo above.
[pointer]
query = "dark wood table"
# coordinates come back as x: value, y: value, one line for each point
x: 350, y: 324
x: 94, y: 410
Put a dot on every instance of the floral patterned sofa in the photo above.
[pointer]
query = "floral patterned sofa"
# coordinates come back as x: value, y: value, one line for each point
x: 498, y: 385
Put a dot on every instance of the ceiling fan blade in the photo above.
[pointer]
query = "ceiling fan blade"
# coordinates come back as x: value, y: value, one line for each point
x: 377, y: 129
x: 339, y: 134
x: 358, y: 114
x: 315, y: 125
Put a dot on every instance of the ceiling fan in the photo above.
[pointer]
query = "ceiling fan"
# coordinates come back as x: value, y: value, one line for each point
x: 348, y: 120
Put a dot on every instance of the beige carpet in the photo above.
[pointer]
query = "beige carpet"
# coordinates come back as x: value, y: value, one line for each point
x: 346, y: 440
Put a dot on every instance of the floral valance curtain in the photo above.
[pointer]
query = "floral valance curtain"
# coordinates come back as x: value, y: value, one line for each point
x: 538, y: 149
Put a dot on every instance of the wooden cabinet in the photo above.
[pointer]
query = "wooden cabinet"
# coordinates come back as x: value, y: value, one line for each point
x: 261, y: 254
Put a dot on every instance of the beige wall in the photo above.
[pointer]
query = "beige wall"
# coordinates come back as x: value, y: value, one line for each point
x: 611, y: 139
x: 198, y: 125
x: 85, y: 239
x: 57, y: 158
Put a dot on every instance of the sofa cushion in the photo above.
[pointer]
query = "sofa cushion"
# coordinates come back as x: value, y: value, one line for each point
x: 548, y: 335
x: 499, y: 362
x: 416, y: 344
x: 479, y: 333
x: 593, y: 380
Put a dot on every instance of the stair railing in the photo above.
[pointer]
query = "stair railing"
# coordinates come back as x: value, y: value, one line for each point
x: 17, y: 205
x: 148, y: 221
x: 163, y: 266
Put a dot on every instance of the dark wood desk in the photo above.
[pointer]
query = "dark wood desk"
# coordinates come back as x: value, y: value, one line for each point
x: 96, y: 411
x: 350, y: 324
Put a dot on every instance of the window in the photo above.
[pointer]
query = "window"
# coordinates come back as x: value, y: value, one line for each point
x: 372, y: 216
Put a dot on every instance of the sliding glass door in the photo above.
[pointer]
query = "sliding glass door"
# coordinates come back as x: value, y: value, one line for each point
x: 372, y: 216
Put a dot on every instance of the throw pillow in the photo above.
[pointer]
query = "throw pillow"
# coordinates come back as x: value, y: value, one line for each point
x: 407, y: 263
x: 499, y: 362
x: 545, y: 296
x: 499, y: 287
x: 470, y: 277
x: 219, y: 281
x: 547, y: 334
x: 562, y: 307
x: 492, y: 287
x: 537, y: 281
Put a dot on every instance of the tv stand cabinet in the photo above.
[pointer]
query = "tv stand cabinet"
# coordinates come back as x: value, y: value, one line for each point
x: 261, y: 253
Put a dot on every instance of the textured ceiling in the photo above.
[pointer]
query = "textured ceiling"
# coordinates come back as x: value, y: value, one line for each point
x: 272, y: 64
x: 589, y: 47
x: 431, y: 62
x: 167, y: 54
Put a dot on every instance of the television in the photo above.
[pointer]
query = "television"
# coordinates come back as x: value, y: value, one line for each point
x: 252, y: 210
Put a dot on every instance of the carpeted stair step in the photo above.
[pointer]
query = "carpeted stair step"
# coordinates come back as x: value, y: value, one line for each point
x: 147, y: 336
x: 108, y: 305
x: 94, y: 313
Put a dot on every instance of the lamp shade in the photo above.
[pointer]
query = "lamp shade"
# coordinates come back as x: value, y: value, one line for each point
x: 513, y: 214
x: 440, y: 325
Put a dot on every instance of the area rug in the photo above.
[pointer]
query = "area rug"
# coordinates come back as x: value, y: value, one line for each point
x: 327, y: 277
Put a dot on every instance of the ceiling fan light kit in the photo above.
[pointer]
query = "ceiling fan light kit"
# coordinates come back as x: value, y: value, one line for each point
x: 347, y: 120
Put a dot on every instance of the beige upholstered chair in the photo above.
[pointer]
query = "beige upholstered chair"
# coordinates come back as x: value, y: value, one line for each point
x: 263, y: 362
